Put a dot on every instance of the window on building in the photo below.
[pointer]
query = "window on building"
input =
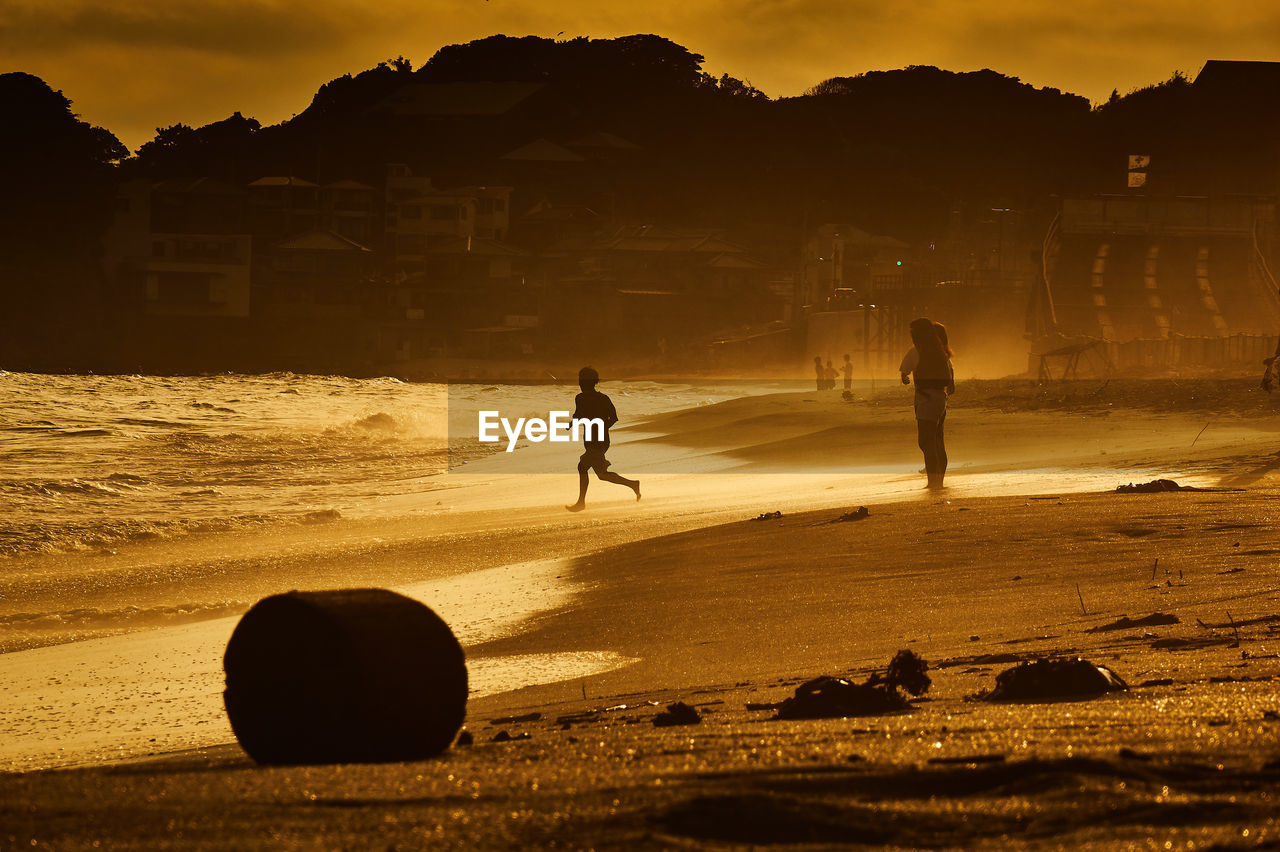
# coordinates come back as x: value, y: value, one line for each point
x: 411, y: 243
x: 411, y: 211
x: 446, y: 212
x: 292, y: 261
x: 183, y: 288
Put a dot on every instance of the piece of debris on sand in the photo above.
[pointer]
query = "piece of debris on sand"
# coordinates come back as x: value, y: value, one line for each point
x: 1054, y: 679
x: 505, y: 736
x: 677, y: 714
x: 1124, y: 622
x: 856, y: 515
x: 1155, y: 486
x: 767, y: 516
x: 829, y: 697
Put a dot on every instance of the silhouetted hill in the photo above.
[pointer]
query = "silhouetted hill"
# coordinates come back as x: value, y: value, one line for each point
x: 894, y: 149
x: 216, y: 150
x: 46, y: 152
x: 1215, y: 134
x: 632, y: 129
x: 57, y: 175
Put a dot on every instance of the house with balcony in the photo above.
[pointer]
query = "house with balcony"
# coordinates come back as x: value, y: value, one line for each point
x: 351, y: 209
x: 178, y: 248
x: 636, y: 286
x: 280, y: 207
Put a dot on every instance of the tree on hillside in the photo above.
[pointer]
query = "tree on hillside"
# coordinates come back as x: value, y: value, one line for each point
x: 1162, y: 96
x: 733, y: 87
x: 599, y: 70
x: 218, y: 149
x: 43, y: 139
x: 349, y: 94
x: 1202, y: 137
x: 896, y: 150
x: 52, y: 164
x: 57, y: 172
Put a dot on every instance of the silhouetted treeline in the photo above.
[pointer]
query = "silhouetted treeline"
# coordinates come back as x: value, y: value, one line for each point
x: 57, y: 176
x: 897, y: 152
x: 893, y: 150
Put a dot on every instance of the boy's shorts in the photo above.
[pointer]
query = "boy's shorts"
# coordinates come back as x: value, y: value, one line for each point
x: 594, y: 459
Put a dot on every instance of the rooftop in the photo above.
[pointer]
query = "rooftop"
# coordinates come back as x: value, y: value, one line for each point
x: 321, y: 241
x: 282, y: 181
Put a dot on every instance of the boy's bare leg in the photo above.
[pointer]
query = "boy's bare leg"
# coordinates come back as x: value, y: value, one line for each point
x: 633, y: 484
x: 582, y: 490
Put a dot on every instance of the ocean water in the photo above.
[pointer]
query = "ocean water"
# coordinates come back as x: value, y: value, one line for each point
x: 140, y: 515
x: 99, y: 461
x: 94, y: 463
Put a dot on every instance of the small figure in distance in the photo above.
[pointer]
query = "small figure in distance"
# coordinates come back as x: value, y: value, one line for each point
x: 819, y: 372
x: 831, y: 375
x: 847, y: 367
x: 591, y: 405
x: 1271, y: 376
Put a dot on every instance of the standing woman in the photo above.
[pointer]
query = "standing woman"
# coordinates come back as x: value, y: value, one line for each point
x: 929, y: 360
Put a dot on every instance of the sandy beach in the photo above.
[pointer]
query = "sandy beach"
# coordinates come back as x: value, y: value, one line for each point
x: 580, y: 629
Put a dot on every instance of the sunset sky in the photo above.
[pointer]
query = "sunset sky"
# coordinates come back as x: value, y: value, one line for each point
x: 134, y: 65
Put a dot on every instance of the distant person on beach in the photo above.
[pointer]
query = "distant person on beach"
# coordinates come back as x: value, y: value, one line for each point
x: 847, y: 367
x: 590, y: 405
x: 1271, y: 376
x: 831, y: 375
x: 819, y: 373
x: 929, y: 362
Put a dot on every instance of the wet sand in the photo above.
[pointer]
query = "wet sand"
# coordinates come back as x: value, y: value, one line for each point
x: 1001, y: 566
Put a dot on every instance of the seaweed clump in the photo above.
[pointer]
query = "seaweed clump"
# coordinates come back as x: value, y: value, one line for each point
x: 830, y: 697
x: 1055, y: 679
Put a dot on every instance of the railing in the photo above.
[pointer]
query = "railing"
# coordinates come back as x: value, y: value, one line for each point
x: 1049, y: 236
x: 1272, y: 295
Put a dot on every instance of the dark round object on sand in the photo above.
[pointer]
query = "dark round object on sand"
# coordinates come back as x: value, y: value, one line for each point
x: 1055, y: 679
x: 347, y: 676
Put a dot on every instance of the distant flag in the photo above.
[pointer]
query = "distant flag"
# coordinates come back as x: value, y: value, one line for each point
x: 1137, y: 179
x: 1139, y: 161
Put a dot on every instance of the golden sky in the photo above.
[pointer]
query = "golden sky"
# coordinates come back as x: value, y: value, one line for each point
x: 134, y: 65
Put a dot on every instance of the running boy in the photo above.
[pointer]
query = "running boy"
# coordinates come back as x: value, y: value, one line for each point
x: 591, y: 405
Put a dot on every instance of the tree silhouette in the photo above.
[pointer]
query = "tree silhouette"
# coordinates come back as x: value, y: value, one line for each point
x: 57, y: 177
x: 219, y: 149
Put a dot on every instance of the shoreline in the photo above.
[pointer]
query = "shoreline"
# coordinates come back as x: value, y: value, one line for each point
x: 497, y: 517
x: 685, y: 597
x: 1194, y: 732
